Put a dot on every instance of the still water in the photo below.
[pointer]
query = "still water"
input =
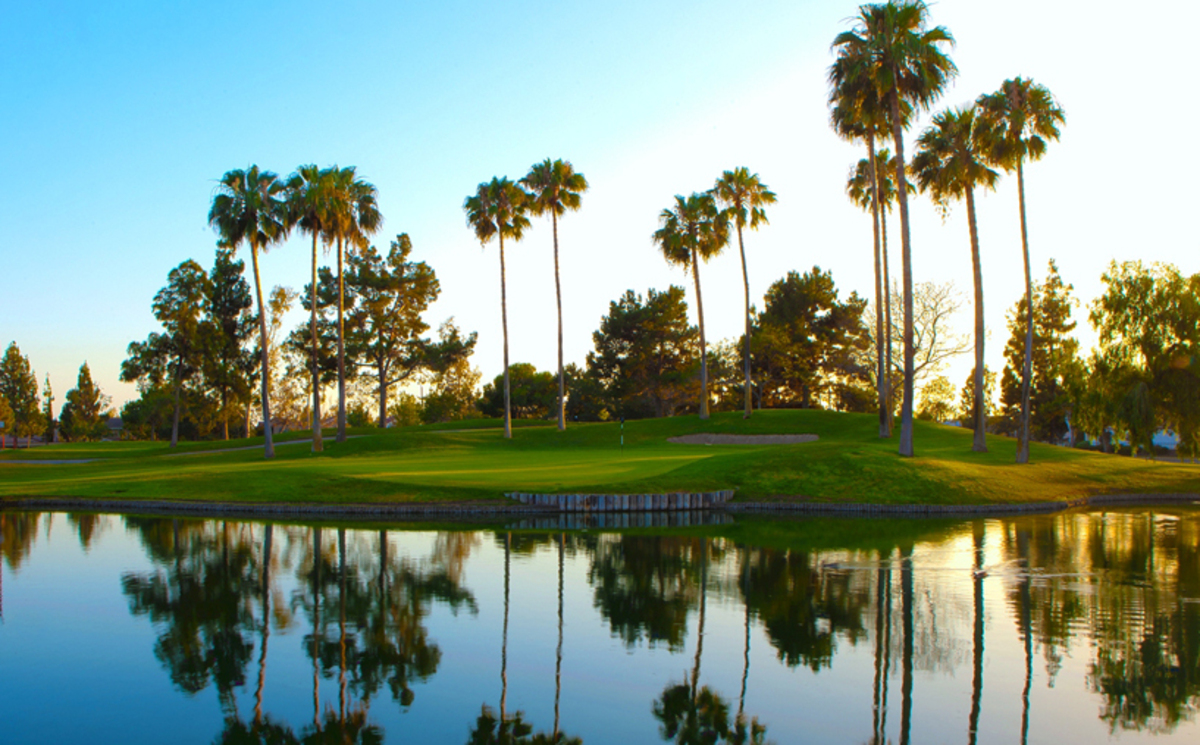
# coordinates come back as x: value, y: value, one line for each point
x: 1073, y: 628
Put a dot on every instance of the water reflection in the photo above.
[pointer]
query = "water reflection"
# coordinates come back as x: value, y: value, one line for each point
x: 1014, y: 623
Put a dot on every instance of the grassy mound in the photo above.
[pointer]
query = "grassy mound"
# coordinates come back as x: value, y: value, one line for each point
x: 472, y: 461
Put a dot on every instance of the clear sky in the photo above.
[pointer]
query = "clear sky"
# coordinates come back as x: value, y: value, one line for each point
x: 119, y: 118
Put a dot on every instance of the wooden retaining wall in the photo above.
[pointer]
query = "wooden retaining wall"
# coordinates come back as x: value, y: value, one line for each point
x: 622, y: 520
x: 676, y: 501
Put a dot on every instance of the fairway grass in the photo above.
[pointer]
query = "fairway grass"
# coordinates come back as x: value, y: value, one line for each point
x: 471, y: 461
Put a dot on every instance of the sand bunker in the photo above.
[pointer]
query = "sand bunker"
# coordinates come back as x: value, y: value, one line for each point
x: 711, y: 439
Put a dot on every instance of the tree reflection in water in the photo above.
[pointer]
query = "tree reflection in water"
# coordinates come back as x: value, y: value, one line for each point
x: 512, y: 729
x: 1122, y: 585
x: 209, y: 579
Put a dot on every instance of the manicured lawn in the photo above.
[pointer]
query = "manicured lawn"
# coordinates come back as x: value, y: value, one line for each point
x: 472, y: 461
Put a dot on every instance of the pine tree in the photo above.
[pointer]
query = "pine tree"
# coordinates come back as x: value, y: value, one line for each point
x: 1054, y: 351
x: 82, y: 416
x: 966, y: 398
x: 48, y: 411
x: 18, y: 386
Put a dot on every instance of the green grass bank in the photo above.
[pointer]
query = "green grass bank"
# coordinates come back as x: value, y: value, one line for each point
x: 472, y: 462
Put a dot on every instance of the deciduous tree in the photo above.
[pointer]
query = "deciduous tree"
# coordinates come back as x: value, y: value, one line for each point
x: 391, y: 293
x: 937, y: 400
x: 177, y: 354
x: 532, y: 391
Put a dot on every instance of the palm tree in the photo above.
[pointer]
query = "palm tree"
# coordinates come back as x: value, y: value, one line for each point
x: 498, y: 209
x: 1025, y: 115
x: 949, y: 164
x: 743, y: 195
x: 353, y: 215
x: 694, y: 230
x: 891, y: 50
x: 555, y: 187
x: 309, y: 205
x: 251, y: 207
x: 877, y: 195
x: 858, y: 113
x: 885, y: 170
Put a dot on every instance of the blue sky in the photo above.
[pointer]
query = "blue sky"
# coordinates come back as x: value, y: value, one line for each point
x: 119, y: 120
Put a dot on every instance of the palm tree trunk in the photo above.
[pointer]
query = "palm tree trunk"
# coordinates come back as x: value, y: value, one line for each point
x: 225, y: 411
x: 558, y: 654
x: 504, y: 640
x: 906, y: 407
x: 703, y: 348
x: 881, y: 368
x: 979, y: 409
x: 342, y: 624
x: 1027, y: 632
x: 906, y: 684
x: 341, y: 433
x: 887, y: 320
x: 977, y: 652
x: 316, y: 650
x: 504, y: 324
x: 746, y: 645
x: 1027, y: 370
x: 317, y: 444
x: 887, y: 649
x: 268, y: 443
x: 266, y: 625
x: 700, y: 622
x: 881, y: 597
x: 562, y: 388
x: 746, y: 344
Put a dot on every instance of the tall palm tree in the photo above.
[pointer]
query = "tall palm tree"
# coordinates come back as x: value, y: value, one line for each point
x: 555, y: 187
x: 891, y: 49
x: 695, y: 229
x: 951, y: 161
x: 858, y: 113
x: 251, y: 207
x: 1025, y: 116
x: 877, y: 195
x: 498, y: 209
x: 885, y: 176
x: 743, y: 196
x: 309, y: 207
x: 354, y: 215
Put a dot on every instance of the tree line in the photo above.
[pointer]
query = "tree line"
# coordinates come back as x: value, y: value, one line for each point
x: 27, y: 412
x: 805, y: 348
x: 201, y: 370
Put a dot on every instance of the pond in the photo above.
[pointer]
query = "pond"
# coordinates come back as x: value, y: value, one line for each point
x: 1070, y: 628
